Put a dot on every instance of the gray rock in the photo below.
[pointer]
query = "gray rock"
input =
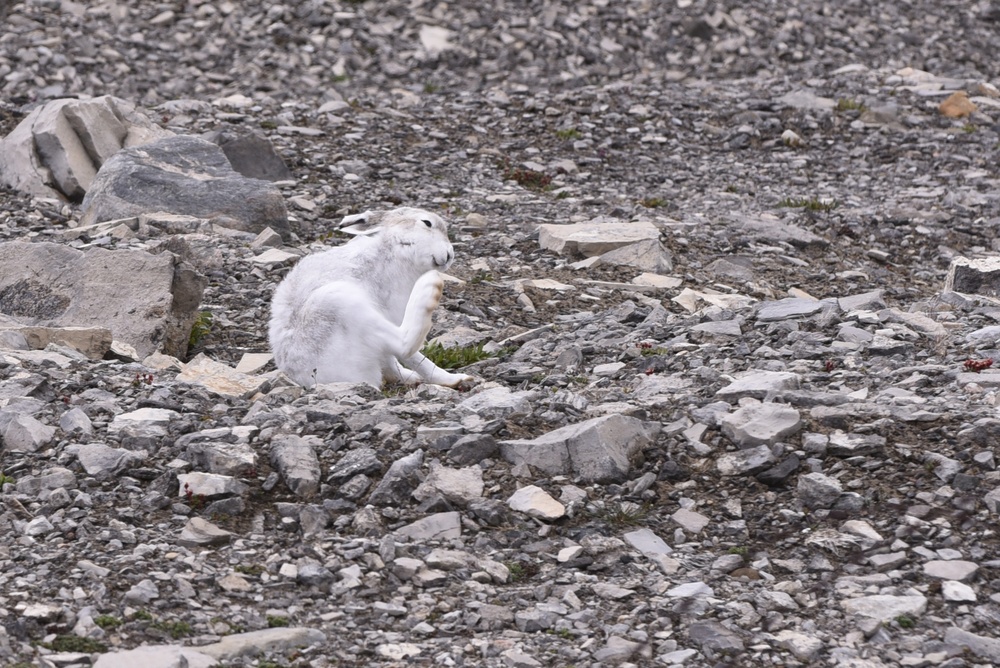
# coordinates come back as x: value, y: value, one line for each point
x: 807, y: 100
x: 99, y: 460
x: 866, y: 301
x: 76, y: 422
x: 816, y: 490
x: 648, y: 255
x: 459, y: 486
x: 199, y: 532
x: 885, y: 607
x: 208, y: 486
x: 53, y: 285
x: 711, y: 636
x: 758, y: 384
x: 156, y: 656
x: 981, y: 277
x: 142, y: 593
x: 92, y: 342
x: 294, y: 458
x: 433, y: 527
x: 647, y: 542
x: 233, y: 459
x: 595, y: 237
x: 254, y: 643
x: 250, y: 154
x: 952, y: 569
x: 803, y: 647
x: 183, y: 175
x: 618, y: 650
x: 536, y: 502
x: 23, y: 433
x: 49, y: 479
x: 745, y: 462
x: 355, y: 462
x: 770, y: 229
x: 851, y: 445
x: 985, y: 647
x: 761, y: 424
x: 690, y: 521
x: 55, y: 150
x: 497, y: 403
x: 791, y: 307
x: 473, y: 449
x: 399, y: 482
x: 597, y: 450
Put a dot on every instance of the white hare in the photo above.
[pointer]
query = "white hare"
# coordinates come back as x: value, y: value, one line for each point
x: 360, y: 312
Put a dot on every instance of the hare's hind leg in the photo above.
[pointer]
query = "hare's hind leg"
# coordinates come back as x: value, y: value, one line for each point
x: 424, y: 298
x: 430, y: 372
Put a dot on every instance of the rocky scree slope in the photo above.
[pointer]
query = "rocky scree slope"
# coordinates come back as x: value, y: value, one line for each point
x: 788, y: 481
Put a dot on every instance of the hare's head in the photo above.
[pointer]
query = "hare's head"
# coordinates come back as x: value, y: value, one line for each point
x: 411, y: 235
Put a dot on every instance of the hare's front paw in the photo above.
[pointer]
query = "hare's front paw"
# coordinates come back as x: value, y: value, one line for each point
x: 461, y: 381
x: 424, y: 298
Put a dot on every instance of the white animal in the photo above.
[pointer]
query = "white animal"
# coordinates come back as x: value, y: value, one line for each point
x: 360, y: 312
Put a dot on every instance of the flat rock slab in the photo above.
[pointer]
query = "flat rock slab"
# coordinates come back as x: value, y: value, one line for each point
x: 885, y: 607
x: 221, y: 378
x: 94, y: 342
x: 761, y: 424
x: 183, y: 175
x: 199, y: 532
x: 597, y: 450
x: 775, y: 231
x: 982, y: 646
x: 594, y: 237
x: 147, y: 301
x: 259, y: 642
x: 156, y: 656
x: 792, y: 307
x: 432, y: 527
x: 758, y: 384
x: 536, y: 502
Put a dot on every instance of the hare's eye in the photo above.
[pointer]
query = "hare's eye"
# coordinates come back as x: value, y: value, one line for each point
x: 428, y: 223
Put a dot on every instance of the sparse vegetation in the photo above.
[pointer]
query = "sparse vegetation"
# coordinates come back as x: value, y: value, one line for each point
x: 455, y: 358
x: 4, y: 479
x: 200, y: 329
x: 526, y: 178
x: 268, y: 125
x: 906, y: 622
x: 253, y: 570
x: 847, y: 104
x: 740, y: 550
x: 70, y: 643
x: 142, y: 616
x: 968, y: 128
x: 481, y: 277
x: 274, y: 621
x: 621, y: 514
x: 568, y: 133
x: 176, y: 630
x: 809, y: 203
x: 107, y: 622
x: 652, y: 202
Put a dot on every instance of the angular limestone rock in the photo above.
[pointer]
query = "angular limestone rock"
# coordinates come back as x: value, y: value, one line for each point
x: 594, y: 237
x: 295, y: 459
x: 147, y: 301
x: 597, y: 450
x: 980, y: 277
x: 56, y: 151
x: 183, y: 175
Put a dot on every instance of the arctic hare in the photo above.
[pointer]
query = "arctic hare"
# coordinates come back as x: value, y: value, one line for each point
x: 360, y: 312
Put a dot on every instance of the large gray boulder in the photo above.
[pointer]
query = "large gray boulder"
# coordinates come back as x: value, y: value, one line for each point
x: 57, y: 150
x: 147, y: 301
x: 598, y: 450
x: 188, y: 176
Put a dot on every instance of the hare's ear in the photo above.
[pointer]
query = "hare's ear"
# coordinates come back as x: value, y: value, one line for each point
x: 366, y: 223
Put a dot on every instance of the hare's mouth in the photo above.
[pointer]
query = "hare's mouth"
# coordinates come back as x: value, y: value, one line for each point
x: 443, y: 264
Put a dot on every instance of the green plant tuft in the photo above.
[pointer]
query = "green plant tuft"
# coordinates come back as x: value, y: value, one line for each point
x: 175, y: 629
x: 652, y: 202
x: 526, y: 178
x: 455, y: 358
x: 268, y: 125
x: 810, y: 203
x: 906, y: 621
x: 623, y: 514
x: 200, y: 329
x: 568, y: 133
x: 4, y: 479
x: 67, y: 643
x: 847, y: 104
x: 274, y: 621
x: 107, y: 621
x: 143, y: 616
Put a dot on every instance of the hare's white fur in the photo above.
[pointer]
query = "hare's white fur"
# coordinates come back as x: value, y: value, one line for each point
x: 360, y: 312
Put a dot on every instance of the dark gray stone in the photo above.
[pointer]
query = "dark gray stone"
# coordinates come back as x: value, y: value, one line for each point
x: 250, y: 154
x: 183, y: 175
